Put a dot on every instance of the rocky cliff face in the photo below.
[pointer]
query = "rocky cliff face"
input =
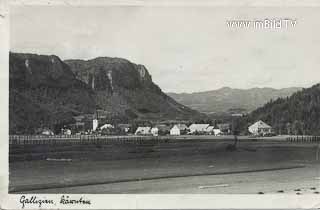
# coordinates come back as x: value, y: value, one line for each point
x: 48, y: 92
x: 126, y: 88
x: 111, y: 74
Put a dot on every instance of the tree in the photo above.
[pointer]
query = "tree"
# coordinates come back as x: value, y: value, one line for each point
x: 235, y: 130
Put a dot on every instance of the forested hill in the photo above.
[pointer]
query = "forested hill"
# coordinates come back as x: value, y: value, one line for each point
x: 297, y: 114
x: 46, y: 92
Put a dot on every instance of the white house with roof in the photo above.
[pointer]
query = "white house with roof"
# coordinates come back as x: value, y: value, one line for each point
x: 175, y: 131
x: 143, y: 131
x: 124, y: 127
x: 154, y: 131
x: 178, y: 129
x: 66, y: 132
x: 217, y: 132
x: 47, y: 132
x: 209, y: 129
x: 225, y: 128
x: 260, y: 128
x: 201, y: 128
x: 105, y: 126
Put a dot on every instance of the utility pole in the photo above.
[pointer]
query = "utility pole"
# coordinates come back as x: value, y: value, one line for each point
x: 234, y: 132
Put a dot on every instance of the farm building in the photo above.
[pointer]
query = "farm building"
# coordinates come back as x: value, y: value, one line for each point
x: 105, y: 126
x: 225, y: 128
x: 260, y: 128
x: 178, y: 129
x: 209, y: 130
x: 154, y: 131
x: 217, y: 132
x: 143, y: 131
x: 85, y: 122
x: 163, y: 129
x: 124, y: 127
x: 200, y: 128
x: 66, y: 132
x: 175, y: 131
x: 46, y: 132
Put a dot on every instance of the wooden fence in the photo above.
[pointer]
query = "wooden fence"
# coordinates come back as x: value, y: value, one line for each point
x: 96, y: 139
x: 83, y: 139
x: 304, y: 139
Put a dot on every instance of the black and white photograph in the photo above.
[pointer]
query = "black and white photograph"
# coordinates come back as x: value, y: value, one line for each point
x: 119, y: 99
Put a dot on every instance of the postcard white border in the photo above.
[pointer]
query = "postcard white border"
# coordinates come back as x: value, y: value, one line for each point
x: 137, y: 201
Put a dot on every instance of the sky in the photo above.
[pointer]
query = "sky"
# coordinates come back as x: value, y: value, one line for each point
x: 185, y: 49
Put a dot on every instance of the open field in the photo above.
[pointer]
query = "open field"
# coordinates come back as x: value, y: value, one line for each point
x: 297, y: 181
x: 178, y: 166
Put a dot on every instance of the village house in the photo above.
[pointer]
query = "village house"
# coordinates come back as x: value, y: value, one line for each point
x: 154, y: 131
x: 46, y: 132
x: 209, y: 130
x: 225, y: 128
x: 198, y: 128
x: 217, y: 132
x: 163, y: 129
x: 84, y: 122
x: 143, y: 131
x: 66, y: 131
x: 178, y: 129
x: 124, y: 127
x: 260, y: 128
x: 106, y: 126
x: 175, y: 131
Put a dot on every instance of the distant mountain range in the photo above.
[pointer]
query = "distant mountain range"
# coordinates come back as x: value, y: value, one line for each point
x: 48, y: 92
x: 229, y: 100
